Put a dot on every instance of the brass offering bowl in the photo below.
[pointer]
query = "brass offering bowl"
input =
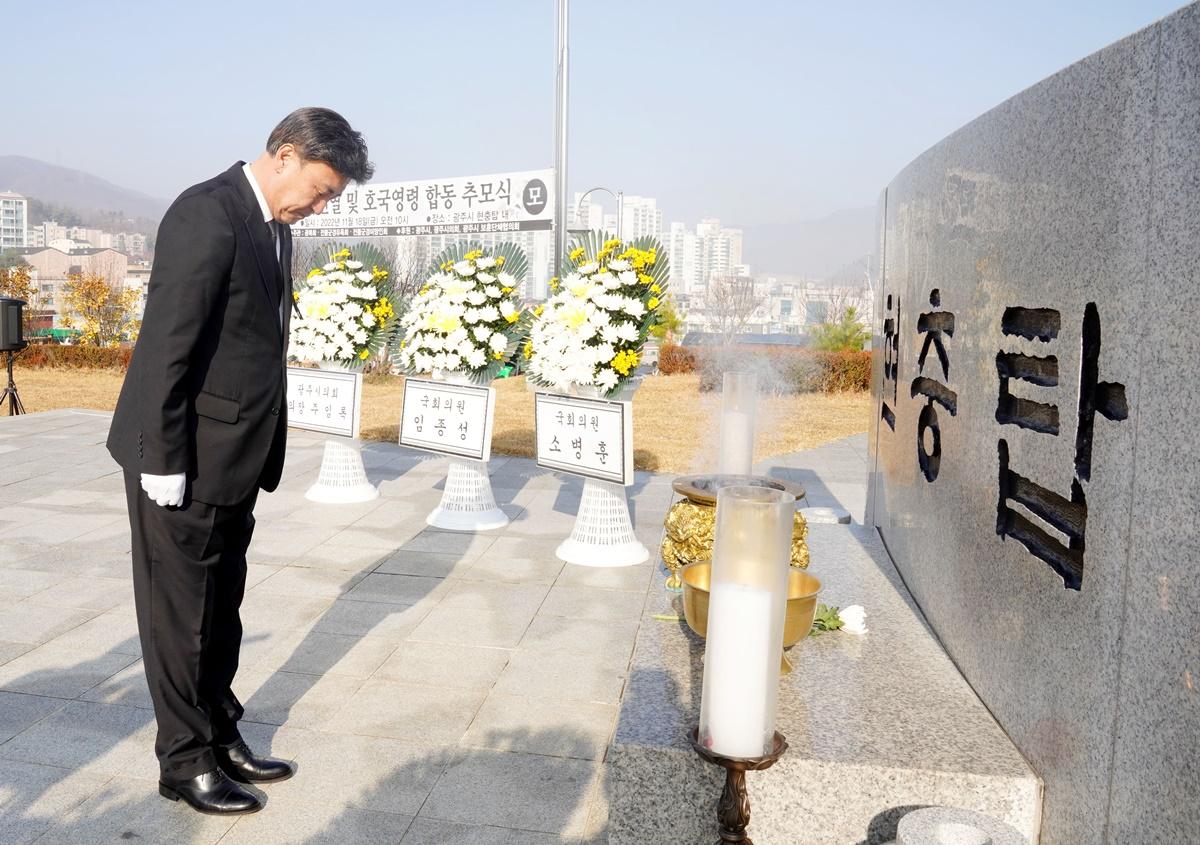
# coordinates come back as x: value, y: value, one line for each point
x: 801, y: 604
x: 688, y: 529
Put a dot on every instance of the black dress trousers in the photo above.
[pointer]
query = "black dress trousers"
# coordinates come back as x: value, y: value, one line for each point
x: 189, y: 576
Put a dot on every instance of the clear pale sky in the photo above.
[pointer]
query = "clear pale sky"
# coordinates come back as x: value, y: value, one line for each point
x: 754, y: 111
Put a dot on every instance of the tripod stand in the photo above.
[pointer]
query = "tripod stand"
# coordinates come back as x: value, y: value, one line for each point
x: 10, y: 392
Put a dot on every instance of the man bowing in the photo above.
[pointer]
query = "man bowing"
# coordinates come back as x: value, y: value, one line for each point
x: 201, y: 427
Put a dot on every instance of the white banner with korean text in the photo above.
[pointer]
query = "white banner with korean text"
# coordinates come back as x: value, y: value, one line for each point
x: 588, y: 437
x: 327, y: 401
x: 447, y: 418
x: 520, y: 201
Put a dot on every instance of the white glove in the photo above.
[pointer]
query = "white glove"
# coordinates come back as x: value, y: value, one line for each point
x: 164, y: 489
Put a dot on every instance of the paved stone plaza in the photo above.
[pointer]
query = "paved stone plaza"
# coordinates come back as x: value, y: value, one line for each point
x: 432, y: 688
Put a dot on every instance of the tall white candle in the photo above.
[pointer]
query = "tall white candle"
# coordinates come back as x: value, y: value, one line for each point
x: 738, y: 400
x: 739, y: 675
x: 737, y: 443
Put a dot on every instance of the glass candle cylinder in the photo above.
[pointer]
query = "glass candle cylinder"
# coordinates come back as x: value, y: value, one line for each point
x: 739, y: 396
x: 746, y: 608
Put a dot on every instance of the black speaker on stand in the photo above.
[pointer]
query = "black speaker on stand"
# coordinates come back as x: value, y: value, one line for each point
x: 12, y: 341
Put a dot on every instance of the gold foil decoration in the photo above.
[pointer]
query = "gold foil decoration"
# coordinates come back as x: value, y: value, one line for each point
x: 688, y: 538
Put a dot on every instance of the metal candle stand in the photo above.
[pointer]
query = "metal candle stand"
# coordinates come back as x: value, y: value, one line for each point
x: 733, y: 808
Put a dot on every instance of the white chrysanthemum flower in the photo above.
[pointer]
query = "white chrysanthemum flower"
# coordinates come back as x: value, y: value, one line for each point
x: 606, y: 378
x: 505, y: 279
x: 354, y: 265
x: 589, y: 268
x: 609, y: 334
x: 476, y: 358
x: 477, y: 297
x: 464, y: 268
x: 485, y: 262
x: 482, y: 333
x: 627, y: 278
x: 507, y: 309
x: 498, y: 342
x: 489, y: 314
x: 330, y: 267
x: 493, y: 291
x: 485, y: 278
x: 619, y: 265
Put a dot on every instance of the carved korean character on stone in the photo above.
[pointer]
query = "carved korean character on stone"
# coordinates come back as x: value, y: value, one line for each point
x: 891, y: 362
x: 1065, y: 515
x: 936, y: 326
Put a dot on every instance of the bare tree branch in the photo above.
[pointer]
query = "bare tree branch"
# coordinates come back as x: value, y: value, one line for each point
x: 729, y: 303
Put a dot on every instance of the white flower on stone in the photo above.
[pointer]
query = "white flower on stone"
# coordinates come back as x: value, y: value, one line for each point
x: 854, y: 619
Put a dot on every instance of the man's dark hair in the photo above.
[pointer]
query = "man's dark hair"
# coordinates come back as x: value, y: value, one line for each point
x: 324, y: 135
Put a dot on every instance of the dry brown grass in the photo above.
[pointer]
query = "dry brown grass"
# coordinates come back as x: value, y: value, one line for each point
x: 675, y: 426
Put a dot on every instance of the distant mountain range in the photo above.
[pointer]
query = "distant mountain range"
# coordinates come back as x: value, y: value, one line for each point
x: 829, y: 248
x: 62, y: 186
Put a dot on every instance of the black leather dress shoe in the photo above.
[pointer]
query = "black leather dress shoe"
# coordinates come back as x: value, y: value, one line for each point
x: 239, y: 762
x: 211, y: 792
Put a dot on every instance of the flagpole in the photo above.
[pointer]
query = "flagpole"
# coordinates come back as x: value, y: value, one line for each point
x: 562, y: 52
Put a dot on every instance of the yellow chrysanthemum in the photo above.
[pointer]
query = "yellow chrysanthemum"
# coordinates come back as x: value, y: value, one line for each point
x: 499, y: 260
x: 624, y: 361
x: 612, y: 243
x: 528, y: 349
x: 577, y: 253
x: 364, y: 355
x: 652, y: 303
x: 316, y: 271
x: 513, y: 317
x: 474, y: 255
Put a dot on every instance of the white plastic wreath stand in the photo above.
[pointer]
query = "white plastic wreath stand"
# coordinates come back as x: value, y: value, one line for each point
x: 603, y: 532
x: 467, y: 501
x: 343, y: 478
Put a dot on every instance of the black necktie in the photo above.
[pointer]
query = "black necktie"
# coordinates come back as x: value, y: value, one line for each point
x: 273, y: 228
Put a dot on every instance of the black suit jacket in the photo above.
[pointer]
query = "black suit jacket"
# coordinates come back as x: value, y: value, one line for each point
x: 205, y: 393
